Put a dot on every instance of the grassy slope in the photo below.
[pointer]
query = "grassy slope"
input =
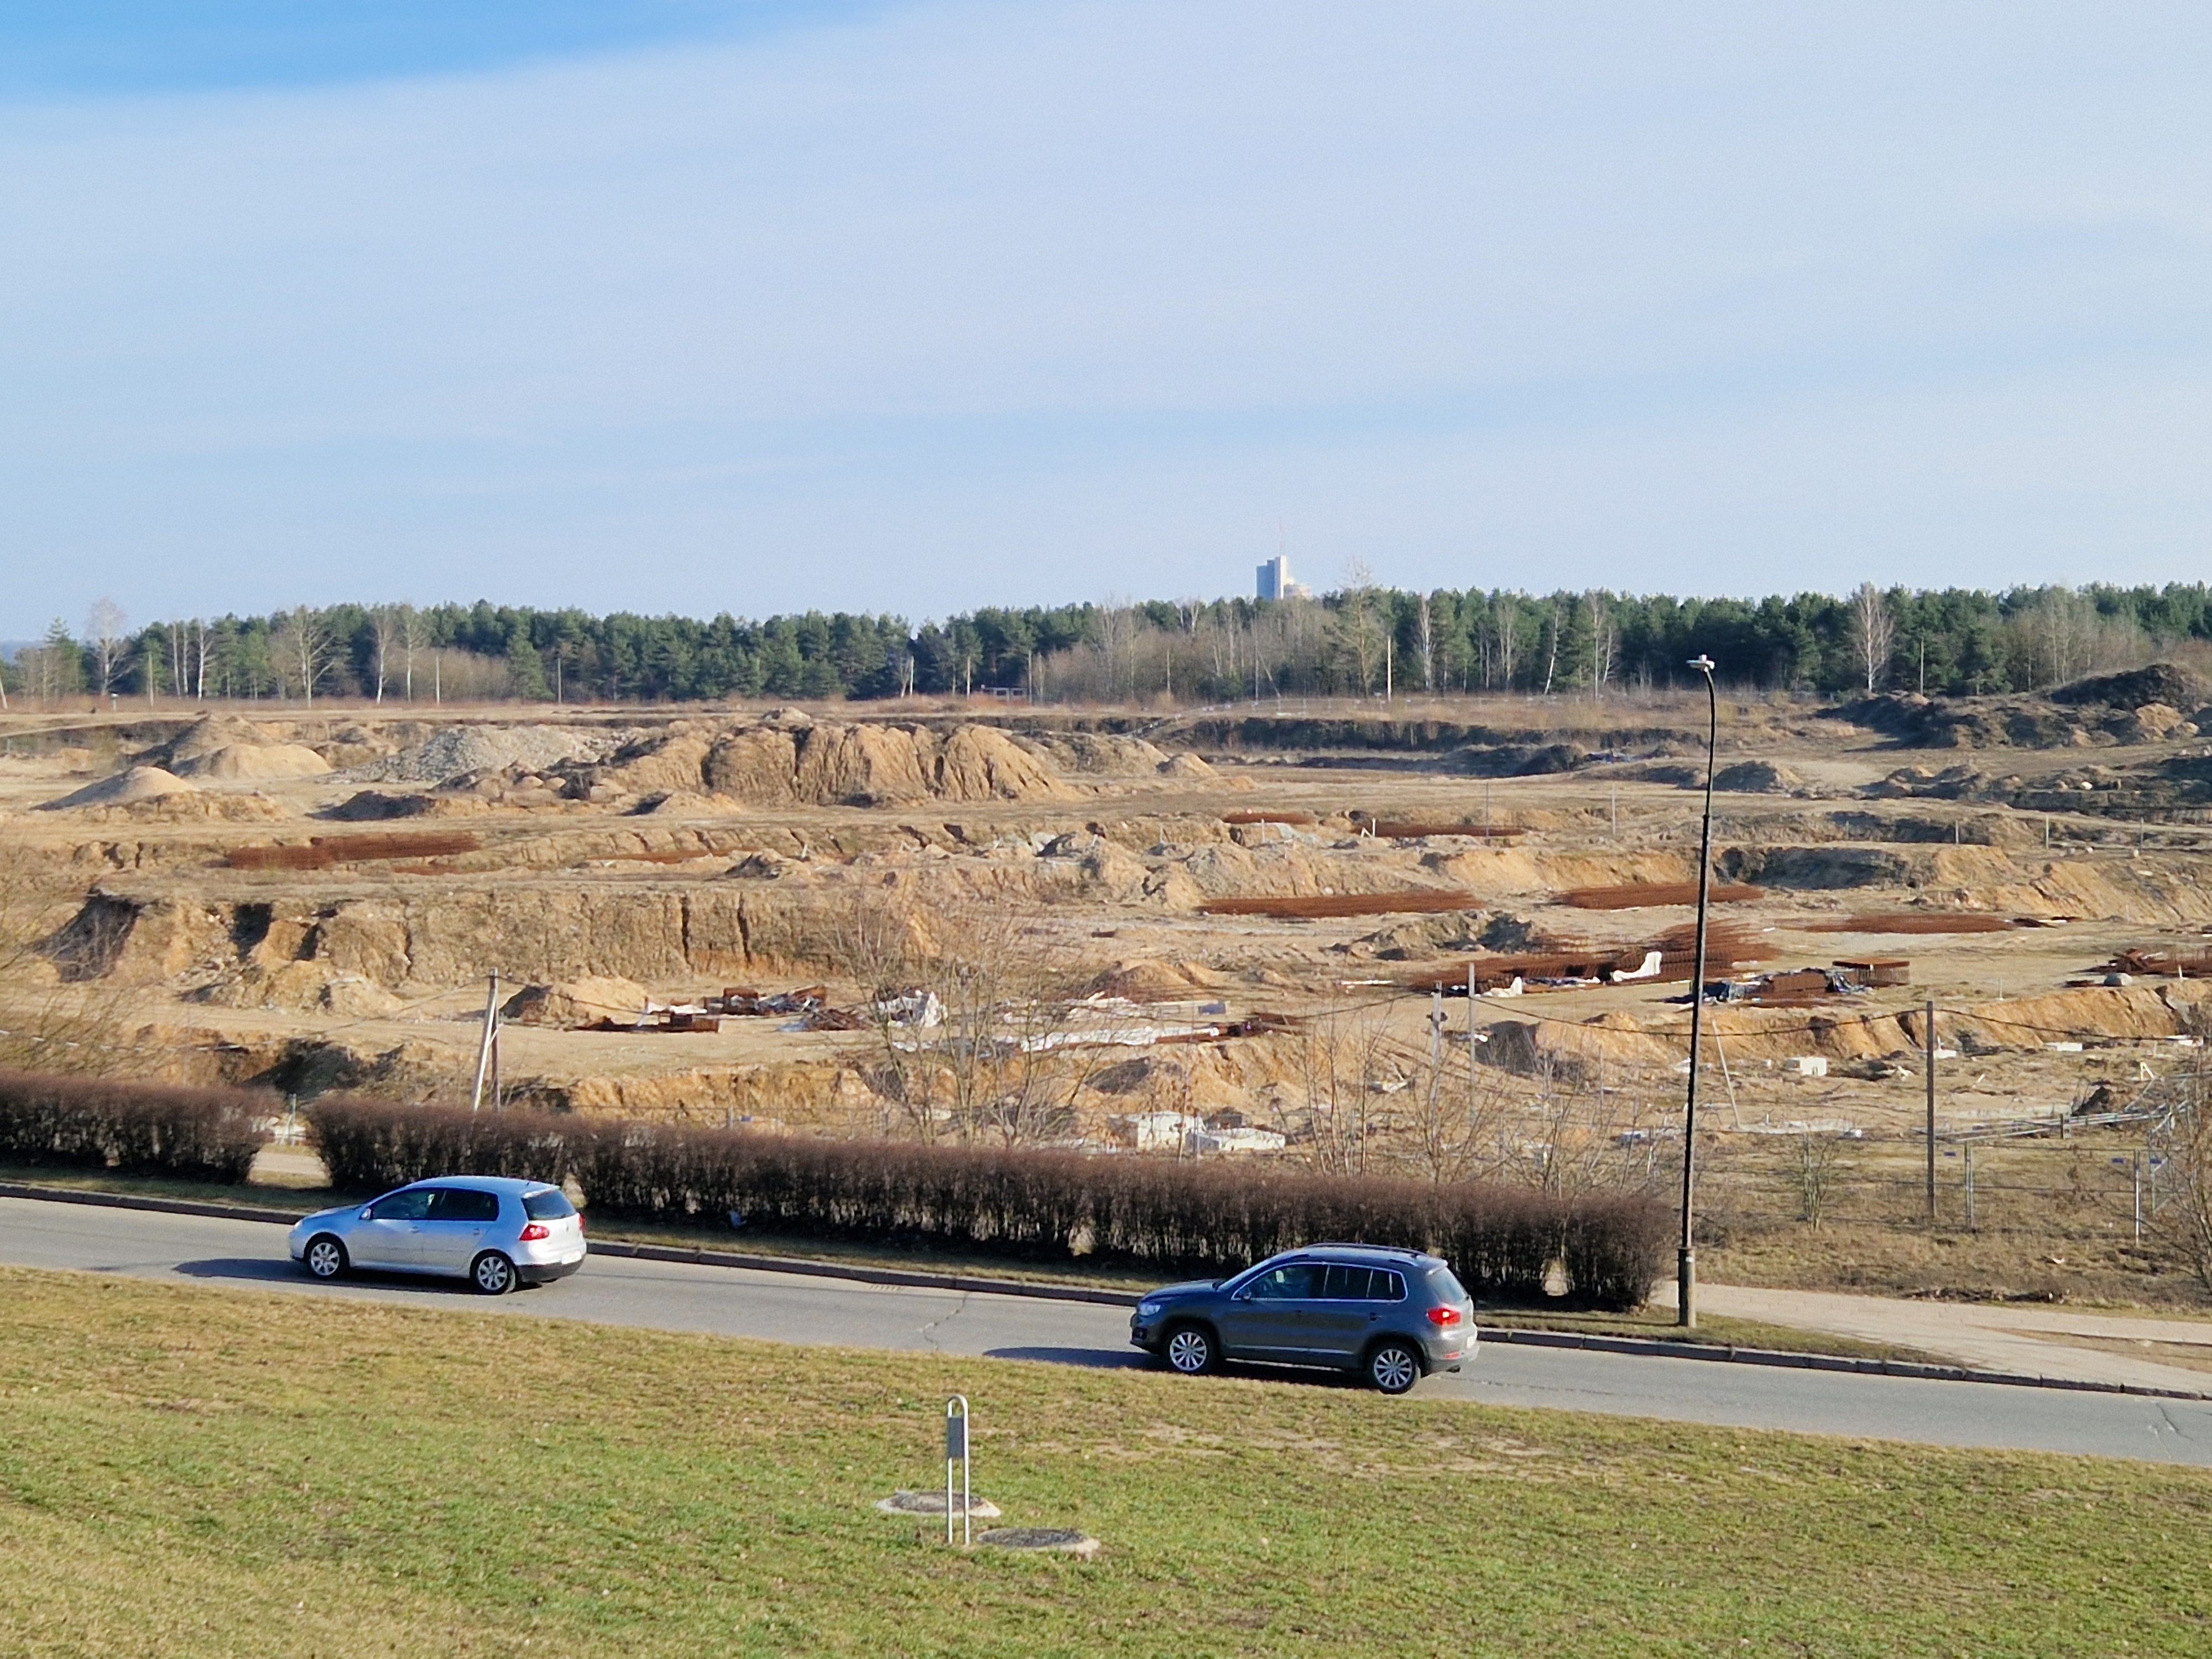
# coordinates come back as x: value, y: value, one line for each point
x: 194, y: 1471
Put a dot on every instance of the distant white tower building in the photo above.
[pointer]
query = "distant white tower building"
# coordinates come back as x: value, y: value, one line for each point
x: 1275, y: 581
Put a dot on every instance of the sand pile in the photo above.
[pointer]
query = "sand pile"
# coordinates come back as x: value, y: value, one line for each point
x: 260, y: 762
x: 1756, y: 777
x: 859, y: 766
x: 980, y: 762
x: 206, y: 736
x: 1160, y: 982
x: 1097, y: 754
x: 572, y: 1004
x: 830, y: 764
x: 139, y: 783
x: 754, y: 763
x: 1186, y: 766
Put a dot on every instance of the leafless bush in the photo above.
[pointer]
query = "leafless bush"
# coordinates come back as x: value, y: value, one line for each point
x: 147, y: 1128
x: 975, y: 1021
x: 1166, y: 1214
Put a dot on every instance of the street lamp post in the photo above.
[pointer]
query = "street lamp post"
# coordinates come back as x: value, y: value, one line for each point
x: 1686, y: 1258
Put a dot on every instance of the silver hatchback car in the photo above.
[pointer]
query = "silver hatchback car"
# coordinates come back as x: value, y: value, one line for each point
x: 494, y: 1231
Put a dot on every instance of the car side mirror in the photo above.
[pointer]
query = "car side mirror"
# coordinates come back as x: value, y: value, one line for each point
x: 1244, y: 1295
x: 368, y: 1212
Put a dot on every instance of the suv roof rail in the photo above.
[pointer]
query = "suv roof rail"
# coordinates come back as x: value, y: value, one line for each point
x: 1379, y: 1249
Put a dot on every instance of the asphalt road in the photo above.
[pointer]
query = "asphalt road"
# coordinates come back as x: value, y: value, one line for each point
x: 783, y: 1307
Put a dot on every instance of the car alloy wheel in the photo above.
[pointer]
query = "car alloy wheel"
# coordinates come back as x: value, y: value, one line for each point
x: 1393, y: 1367
x: 493, y: 1274
x: 326, y: 1257
x: 1190, y: 1350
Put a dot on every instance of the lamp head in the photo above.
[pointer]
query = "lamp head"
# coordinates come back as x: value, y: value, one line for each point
x: 1702, y: 665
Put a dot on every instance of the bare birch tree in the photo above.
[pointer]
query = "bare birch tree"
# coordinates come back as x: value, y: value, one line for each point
x: 104, y: 628
x: 1873, y: 633
x: 304, y: 648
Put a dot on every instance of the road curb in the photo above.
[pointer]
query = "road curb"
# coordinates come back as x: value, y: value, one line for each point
x: 1660, y: 1348
x: 1648, y: 1346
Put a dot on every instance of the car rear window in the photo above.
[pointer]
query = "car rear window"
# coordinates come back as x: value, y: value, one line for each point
x: 547, y: 1207
x: 461, y: 1204
x: 1445, y: 1286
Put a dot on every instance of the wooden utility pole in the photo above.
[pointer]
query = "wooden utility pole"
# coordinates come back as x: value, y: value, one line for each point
x: 1928, y: 1044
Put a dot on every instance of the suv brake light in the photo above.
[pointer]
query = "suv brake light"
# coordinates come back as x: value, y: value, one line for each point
x: 1443, y: 1315
x: 538, y: 1230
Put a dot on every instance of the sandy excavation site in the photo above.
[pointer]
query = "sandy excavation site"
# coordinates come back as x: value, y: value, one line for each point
x: 1217, y: 932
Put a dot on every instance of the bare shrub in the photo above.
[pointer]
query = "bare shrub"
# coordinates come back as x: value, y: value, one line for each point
x: 1162, y: 1213
x: 975, y: 1021
x: 147, y: 1128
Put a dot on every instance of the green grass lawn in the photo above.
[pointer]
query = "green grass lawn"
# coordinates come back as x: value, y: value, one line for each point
x: 196, y: 1471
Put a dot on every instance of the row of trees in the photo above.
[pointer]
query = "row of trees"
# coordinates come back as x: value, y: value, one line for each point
x: 1359, y: 641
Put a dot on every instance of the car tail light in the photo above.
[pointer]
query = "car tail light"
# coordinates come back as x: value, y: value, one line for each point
x: 538, y: 1230
x: 1443, y: 1315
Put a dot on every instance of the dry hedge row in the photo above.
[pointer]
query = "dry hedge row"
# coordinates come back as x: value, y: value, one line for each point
x: 1161, y: 1213
x: 147, y: 1128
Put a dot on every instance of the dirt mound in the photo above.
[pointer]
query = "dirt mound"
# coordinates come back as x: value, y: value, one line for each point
x: 2141, y: 706
x: 461, y: 749
x: 573, y: 1004
x: 137, y: 784
x: 1756, y: 777
x: 858, y: 766
x: 1097, y: 754
x: 201, y: 806
x: 757, y: 764
x: 2135, y: 1010
x: 2159, y: 683
x: 1159, y: 982
x: 206, y: 736
x: 1187, y: 766
x: 265, y: 762
x: 980, y: 762
x: 1522, y: 759
x: 372, y: 805
x: 671, y: 760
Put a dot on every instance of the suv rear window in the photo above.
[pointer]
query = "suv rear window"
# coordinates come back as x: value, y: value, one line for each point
x: 548, y: 1206
x: 460, y: 1204
x: 1349, y: 1284
x: 1445, y: 1286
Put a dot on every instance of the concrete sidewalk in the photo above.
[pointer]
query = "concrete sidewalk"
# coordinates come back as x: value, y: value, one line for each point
x: 2032, y: 1340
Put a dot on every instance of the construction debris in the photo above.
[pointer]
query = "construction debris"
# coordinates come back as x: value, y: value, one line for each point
x: 1557, y: 964
x: 1877, y: 973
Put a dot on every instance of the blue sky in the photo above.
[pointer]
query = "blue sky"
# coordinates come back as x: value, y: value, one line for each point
x: 914, y: 306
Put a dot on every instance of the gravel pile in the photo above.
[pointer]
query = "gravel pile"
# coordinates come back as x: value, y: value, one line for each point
x: 462, y: 749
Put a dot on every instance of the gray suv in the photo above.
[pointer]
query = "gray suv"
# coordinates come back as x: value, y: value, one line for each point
x: 1392, y: 1315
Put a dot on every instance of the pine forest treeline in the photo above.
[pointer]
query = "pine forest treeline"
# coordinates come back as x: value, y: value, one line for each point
x: 1360, y: 641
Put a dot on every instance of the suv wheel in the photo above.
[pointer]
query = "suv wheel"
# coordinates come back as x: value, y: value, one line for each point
x: 1191, y: 1350
x: 324, y: 1256
x: 1393, y: 1368
x: 493, y: 1273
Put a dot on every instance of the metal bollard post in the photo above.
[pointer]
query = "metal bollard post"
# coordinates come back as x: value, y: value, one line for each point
x: 956, y: 1451
x: 1967, y: 1152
